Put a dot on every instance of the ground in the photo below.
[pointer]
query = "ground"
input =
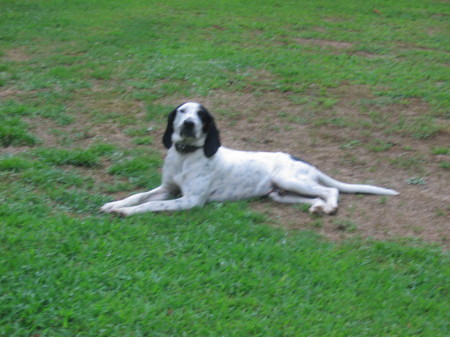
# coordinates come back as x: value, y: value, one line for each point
x: 357, y: 88
x: 350, y: 140
x: 249, y: 122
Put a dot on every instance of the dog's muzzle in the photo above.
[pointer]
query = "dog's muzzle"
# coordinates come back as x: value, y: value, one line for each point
x: 188, y: 129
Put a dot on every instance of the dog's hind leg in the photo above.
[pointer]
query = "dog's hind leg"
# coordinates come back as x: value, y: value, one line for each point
x: 308, y: 187
x: 317, y: 204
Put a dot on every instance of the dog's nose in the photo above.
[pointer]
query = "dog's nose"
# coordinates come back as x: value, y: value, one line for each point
x: 188, y: 124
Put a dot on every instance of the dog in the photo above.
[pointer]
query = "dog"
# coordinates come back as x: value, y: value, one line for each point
x: 198, y: 169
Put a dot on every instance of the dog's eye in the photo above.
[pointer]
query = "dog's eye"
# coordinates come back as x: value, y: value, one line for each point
x: 182, y: 111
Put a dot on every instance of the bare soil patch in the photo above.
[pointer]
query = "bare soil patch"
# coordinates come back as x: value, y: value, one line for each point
x: 17, y: 55
x: 9, y: 92
x: 268, y: 123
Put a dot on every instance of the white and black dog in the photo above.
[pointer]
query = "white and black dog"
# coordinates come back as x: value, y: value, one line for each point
x: 198, y: 169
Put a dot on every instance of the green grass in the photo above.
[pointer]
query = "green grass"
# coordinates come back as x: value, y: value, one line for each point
x: 14, y: 132
x: 214, y: 271
x: 440, y: 150
x: 69, y: 67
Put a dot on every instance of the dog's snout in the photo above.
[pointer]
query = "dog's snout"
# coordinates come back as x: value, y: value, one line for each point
x: 188, y: 128
x: 188, y: 124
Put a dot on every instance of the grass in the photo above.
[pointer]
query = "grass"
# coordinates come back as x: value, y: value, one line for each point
x: 416, y: 181
x: 214, y: 271
x: 14, y: 132
x: 70, y: 68
x: 440, y: 150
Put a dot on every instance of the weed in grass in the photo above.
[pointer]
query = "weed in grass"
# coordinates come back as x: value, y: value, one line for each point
x: 299, y: 99
x: 345, y: 225
x: 379, y: 145
x: 320, y: 103
x: 351, y: 159
x: 334, y: 121
x: 442, y: 212
x: 377, y: 117
x: 317, y: 223
x: 445, y: 165
x: 102, y: 74
x: 440, y: 150
x: 328, y: 103
x: 416, y: 181
x: 380, y: 101
x: 303, y: 207
x: 351, y: 144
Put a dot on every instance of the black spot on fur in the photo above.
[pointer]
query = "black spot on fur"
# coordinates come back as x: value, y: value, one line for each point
x: 298, y: 159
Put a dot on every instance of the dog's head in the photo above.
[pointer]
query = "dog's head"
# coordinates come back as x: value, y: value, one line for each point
x: 190, y: 124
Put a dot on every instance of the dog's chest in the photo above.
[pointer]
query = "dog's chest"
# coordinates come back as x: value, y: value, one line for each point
x: 182, y: 168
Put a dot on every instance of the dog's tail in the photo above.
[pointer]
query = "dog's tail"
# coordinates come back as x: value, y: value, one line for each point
x: 354, y: 188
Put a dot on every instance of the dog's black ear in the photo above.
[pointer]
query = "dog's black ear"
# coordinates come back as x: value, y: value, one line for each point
x: 167, y: 138
x: 212, y: 142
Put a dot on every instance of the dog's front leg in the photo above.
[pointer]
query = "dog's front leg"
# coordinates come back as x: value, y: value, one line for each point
x: 159, y: 193
x: 179, y: 204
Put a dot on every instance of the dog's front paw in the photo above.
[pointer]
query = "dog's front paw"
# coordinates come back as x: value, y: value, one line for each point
x: 108, y: 207
x: 122, y: 212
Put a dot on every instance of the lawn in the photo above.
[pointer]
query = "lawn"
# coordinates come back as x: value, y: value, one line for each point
x: 360, y: 89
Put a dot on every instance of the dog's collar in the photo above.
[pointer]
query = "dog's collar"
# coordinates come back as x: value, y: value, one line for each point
x: 184, y: 148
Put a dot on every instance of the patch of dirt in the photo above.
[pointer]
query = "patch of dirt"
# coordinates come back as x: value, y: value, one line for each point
x: 413, y: 46
x: 9, y: 92
x: 17, y: 55
x: 270, y: 123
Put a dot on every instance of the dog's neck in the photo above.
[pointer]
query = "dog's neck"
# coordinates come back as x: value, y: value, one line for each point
x: 185, y: 148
